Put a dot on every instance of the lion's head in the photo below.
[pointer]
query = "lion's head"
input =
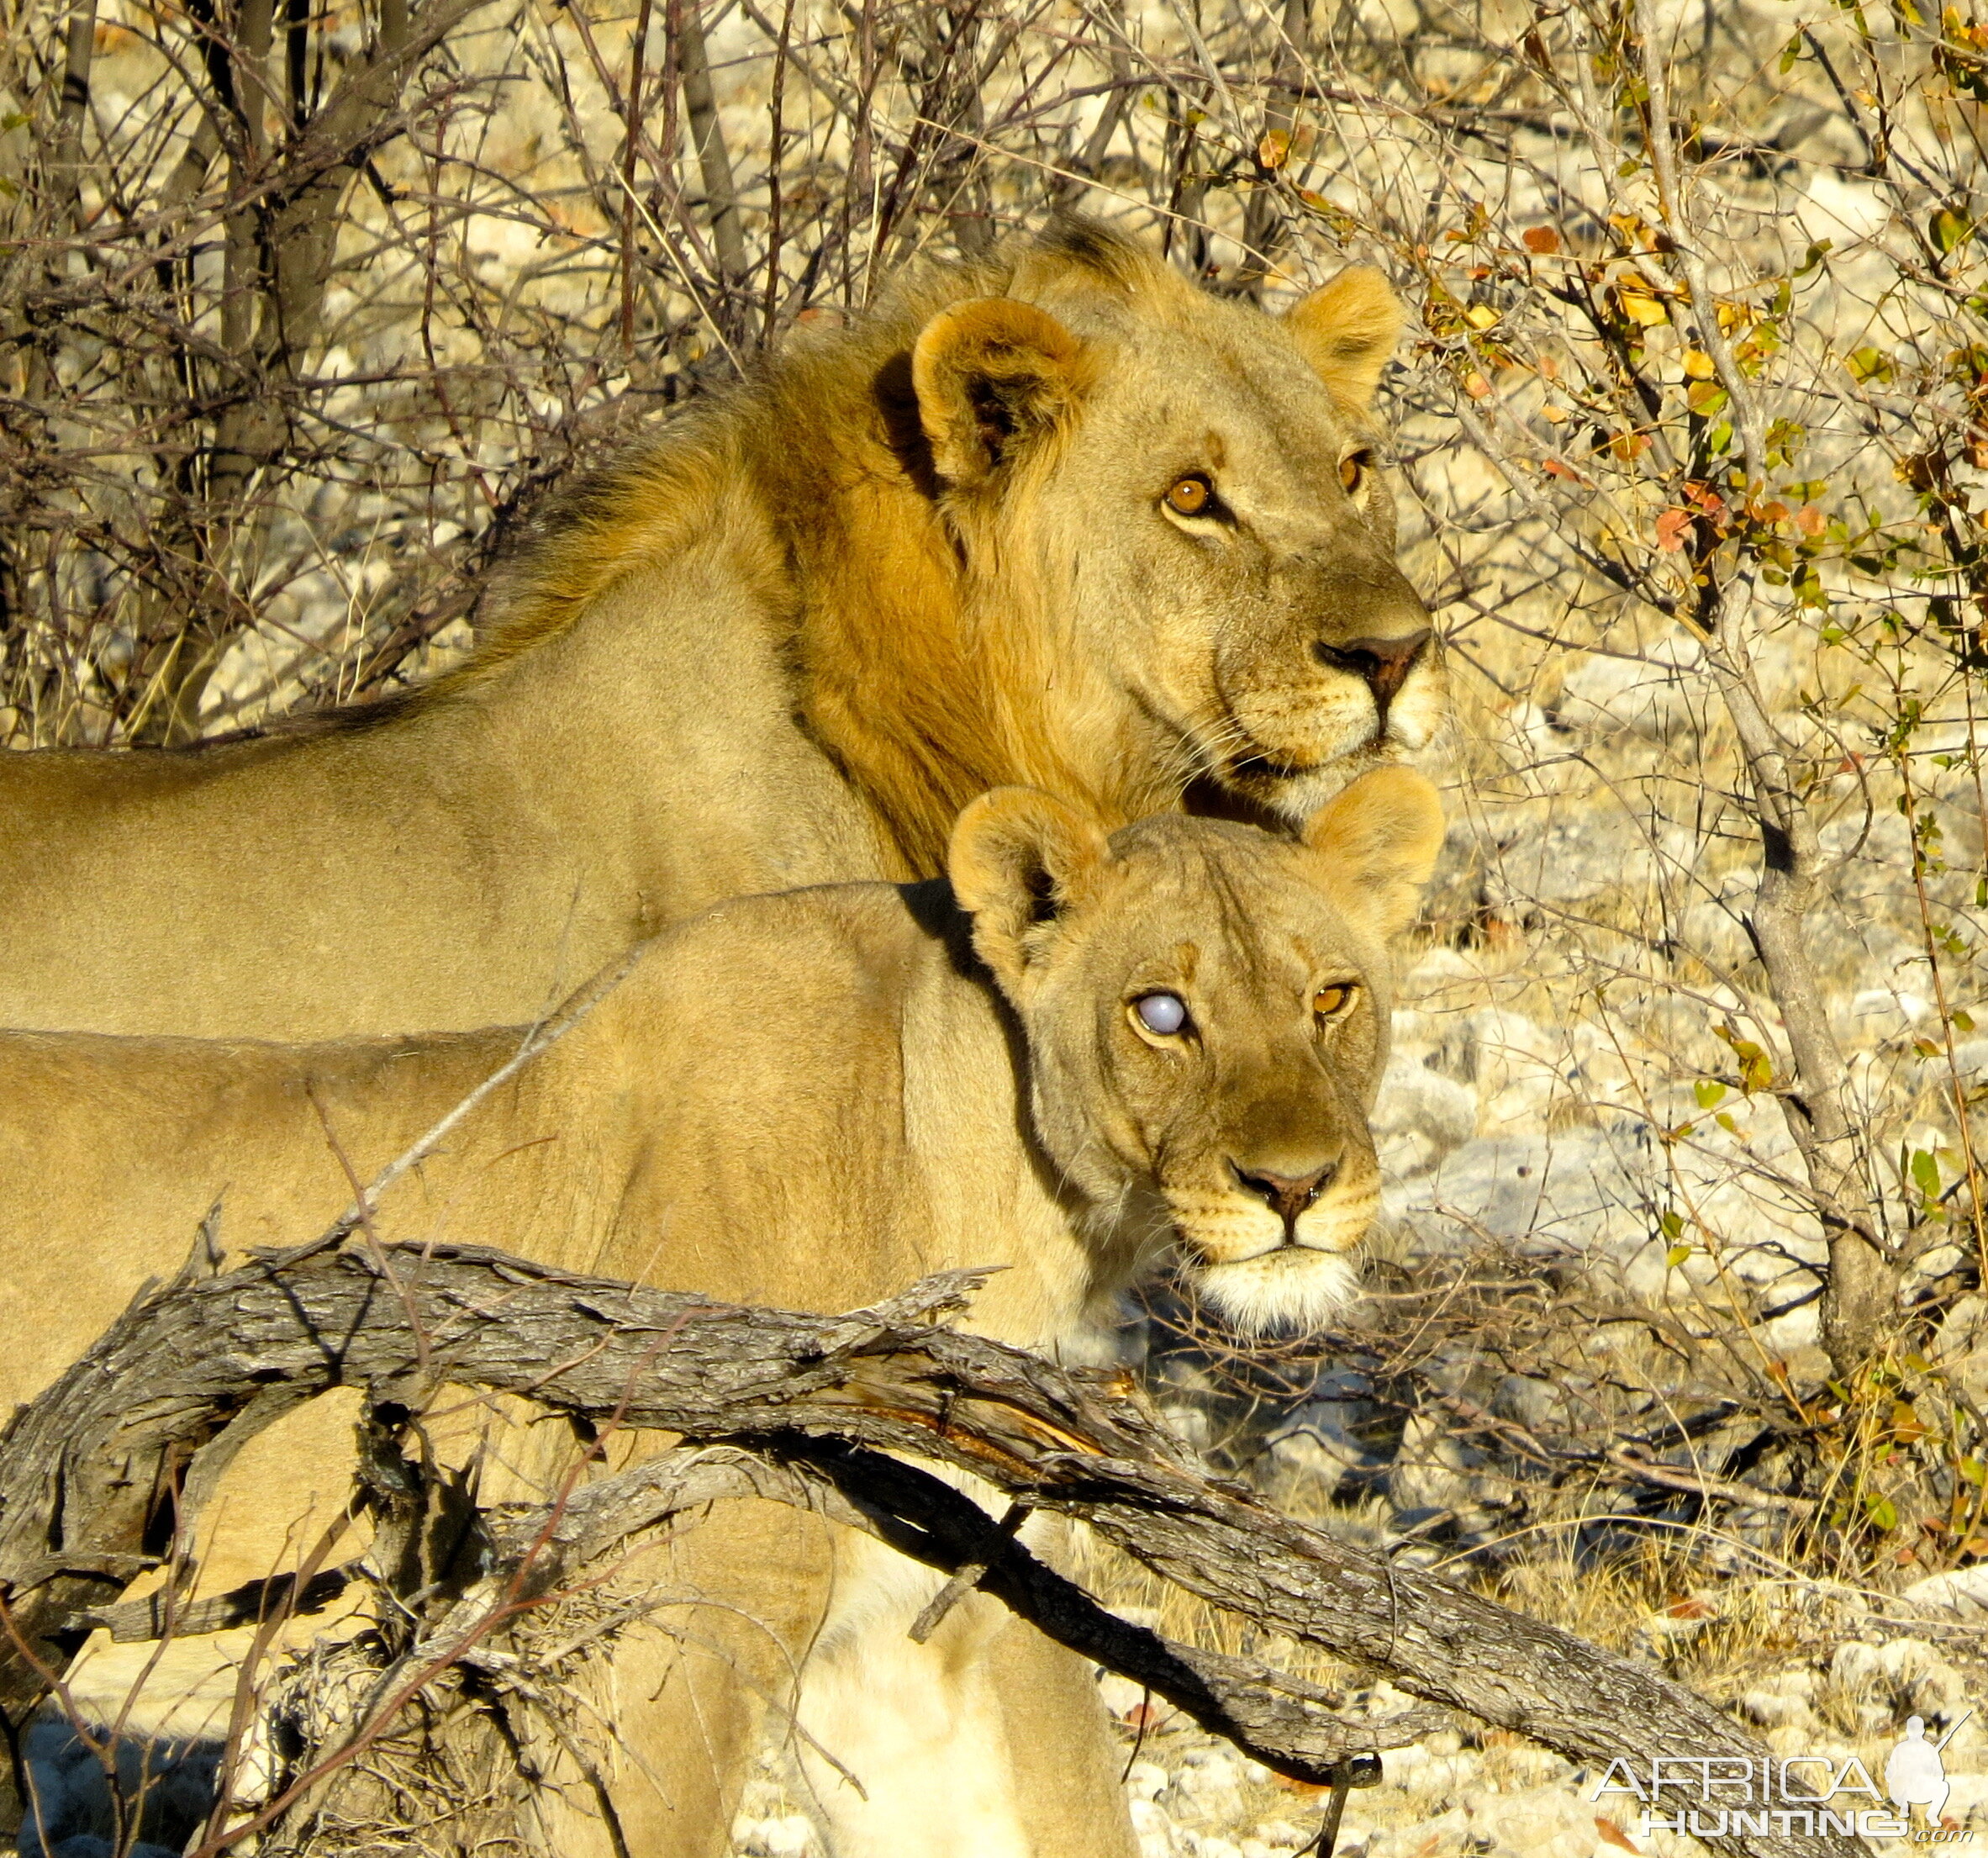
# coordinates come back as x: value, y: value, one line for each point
x: 1194, y: 492
x: 1206, y: 1007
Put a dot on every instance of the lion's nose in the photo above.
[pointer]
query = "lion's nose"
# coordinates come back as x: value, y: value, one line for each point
x: 1287, y: 1195
x: 1383, y: 663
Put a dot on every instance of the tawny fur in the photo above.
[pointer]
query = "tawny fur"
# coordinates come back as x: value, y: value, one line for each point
x: 807, y: 1100
x: 782, y: 642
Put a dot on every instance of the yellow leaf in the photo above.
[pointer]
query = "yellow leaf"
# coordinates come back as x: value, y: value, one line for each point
x: 1274, y: 150
x: 1481, y: 316
x: 1641, y: 308
x: 1676, y: 1256
x: 1698, y: 365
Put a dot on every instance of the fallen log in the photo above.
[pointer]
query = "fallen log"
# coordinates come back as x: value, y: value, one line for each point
x: 807, y: 1406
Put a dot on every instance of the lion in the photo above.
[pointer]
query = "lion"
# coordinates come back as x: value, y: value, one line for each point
x: 1058, y: 519
x: 1090, y: 1044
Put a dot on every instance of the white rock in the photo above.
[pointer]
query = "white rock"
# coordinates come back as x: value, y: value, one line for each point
x: 1397, y: 1765
x: 1145, y: 1779
x: 1773, y: 1709
x: 1886, y: 1011
x: 1552, y: 1821
x: 1566, y: 857
x: 1658, y: 693
x: 1417, y: 1101
x: 788, y: 1835
x: 1580, y: 1193
x: 1959, y: 1594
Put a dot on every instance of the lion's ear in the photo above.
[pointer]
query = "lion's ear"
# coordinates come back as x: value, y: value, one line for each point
x: 1348, y: 329
x: 1380, y: 837
x: 1019, y: 858
x: 991, y: 375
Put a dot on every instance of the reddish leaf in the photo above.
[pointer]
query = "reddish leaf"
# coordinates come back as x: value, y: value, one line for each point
x: 1671, y: 527
x: 1542, y: 240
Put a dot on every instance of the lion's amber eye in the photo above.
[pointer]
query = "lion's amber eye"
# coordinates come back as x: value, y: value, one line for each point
x: 1353, y: 469
x: 1192, y: 496
x: 1330, y: 1000
x: 1165, y: 1014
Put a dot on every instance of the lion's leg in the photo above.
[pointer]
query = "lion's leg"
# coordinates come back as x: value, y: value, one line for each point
x: 668, y: 1711
x: 691, y: 1690
x: 987, y: 1741
x: 1067, y: 1762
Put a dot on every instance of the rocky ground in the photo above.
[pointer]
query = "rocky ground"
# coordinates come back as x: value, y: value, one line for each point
x: 1493, y: 1794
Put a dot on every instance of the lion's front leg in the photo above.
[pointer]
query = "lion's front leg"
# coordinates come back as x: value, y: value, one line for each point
x: 987, y: 1741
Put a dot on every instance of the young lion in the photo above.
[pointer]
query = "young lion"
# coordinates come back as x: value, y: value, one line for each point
x: 1095, y: 1044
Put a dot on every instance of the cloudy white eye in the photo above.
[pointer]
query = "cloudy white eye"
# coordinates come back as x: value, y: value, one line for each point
x: 1165, y: 1014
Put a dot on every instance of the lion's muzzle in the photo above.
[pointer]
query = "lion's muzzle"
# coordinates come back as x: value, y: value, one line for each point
x: 1382, y: 664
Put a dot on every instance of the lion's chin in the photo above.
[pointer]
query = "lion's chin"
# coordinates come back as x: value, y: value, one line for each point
x: 1292, y: 779
x: 1289, y: 1287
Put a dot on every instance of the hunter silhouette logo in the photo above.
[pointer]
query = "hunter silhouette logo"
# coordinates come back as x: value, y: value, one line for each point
x: 1915, y: 1775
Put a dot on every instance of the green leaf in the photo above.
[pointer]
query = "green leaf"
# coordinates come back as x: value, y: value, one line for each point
x: 1671, y: 1225
x: 1882, y: 1512
x: 1724, y: 1119
x: 1974, y: 1471
x: 1676, y: 1256
x: 1925, y: 1173
x: 1869, y: 364
x: 1816, y: 253
x: 1949, y: 228
x: 1963, y: 1023
x: 1708, y: 1090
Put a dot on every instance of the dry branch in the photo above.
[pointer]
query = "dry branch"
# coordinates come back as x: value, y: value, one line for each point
x: 808, y: 1405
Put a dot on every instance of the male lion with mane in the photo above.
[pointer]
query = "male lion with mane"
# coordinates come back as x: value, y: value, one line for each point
x: 1092, y: 1045
x: 1058, y: 518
